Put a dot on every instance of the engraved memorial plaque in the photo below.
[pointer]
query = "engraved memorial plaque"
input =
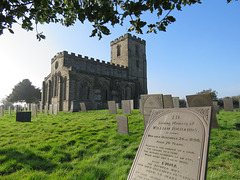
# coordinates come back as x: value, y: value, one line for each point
x: 122, y: 124
x: 126, y: 107
x: 167, y: 101
x: 228, y: 104
x: 150, y: 102
x: 112, y: 107
x: 201, y: 100
x: 174, y: 145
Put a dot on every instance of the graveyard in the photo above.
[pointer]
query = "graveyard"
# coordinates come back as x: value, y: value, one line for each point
x: 87, y: 145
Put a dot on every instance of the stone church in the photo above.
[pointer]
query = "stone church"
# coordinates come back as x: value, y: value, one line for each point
x: 83, y: 79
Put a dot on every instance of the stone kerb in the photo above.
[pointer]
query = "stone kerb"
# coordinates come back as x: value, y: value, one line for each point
x: 150, y: 102
x: 202, y: 100
x: 126, y: 107
x: 228, y: 104
x: 174, y: 145
x: 112, y: 107
x: 122, y: 124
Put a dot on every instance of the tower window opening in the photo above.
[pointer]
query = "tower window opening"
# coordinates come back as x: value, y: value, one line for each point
x: 118, y: 50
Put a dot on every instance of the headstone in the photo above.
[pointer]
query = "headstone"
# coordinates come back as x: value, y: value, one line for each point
x: 175, y: 102
x: 9, y: 110
x: 112, y: 107
x: 202, y: 100
x: 126, y: 107
x: 228, y: 104
x: 34, y: 110
x: 150, y: 102
x: 40, y: 109
x: 216, y: 106
x: 1, y: 110
x: 46, y: 109
x: 16, y: 108
x: 55, y: 108
x: 23, y: 116
x: 28, y: 106
x: 83, y: 107
x: 25, y: 107
x: 50, y: 109
x: 167, y: 101
x: 118, y: 105
x: 131, y: 104
x: 174, y: 145
x: 75, y: 106
x: 122, y: 124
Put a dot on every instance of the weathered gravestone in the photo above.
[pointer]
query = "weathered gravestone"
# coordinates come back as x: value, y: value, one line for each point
x: 216, y: 106
x: 140, y: 106
x: 112, y: 107
x: 55, y: 108
x: 118, y: 106
x: 40, y: 109
x: 75, y: 106
x: 174, y: 145
x: 131, y: 104
x: 83, y: 107
x: 126, y: 107
x: 150, y: 102
x: 122, y: 124
x: 175, y: 102
x: 167, y: 101
x: 228, y: 104
x: 25, y: 107
x: 34, y: 110
x: 1, y: 110
x: 202, y: 100
x: 46, y: 109
x: 16, y: 108
x: 50, y: 108
x: 23, y: 116
x: 9, y: 110
x: 28, y: 106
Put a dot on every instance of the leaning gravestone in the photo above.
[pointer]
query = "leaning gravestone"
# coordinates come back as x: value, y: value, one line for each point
x: 202, y: 100
x: 150, y: 102
x: 23, y: 116
x: 175, y: 102
x: 174, y: 145
x: 83, y: 107
x: 126, y: 107
x: 167, y: 101
x: 50, y: 109
x: 122, y: 124
x: 228, y: 104
x: 1, y: 110
x: 112, y: 107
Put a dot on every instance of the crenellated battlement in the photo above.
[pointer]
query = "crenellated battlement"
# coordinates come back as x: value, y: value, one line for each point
x: 127, y: 35
x: 78, y: 58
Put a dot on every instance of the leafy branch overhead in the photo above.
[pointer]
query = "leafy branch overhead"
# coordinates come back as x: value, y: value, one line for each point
x: 101, y: 13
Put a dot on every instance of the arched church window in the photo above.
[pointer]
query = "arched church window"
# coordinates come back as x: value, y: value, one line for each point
x: 84, y: 93
x: 118, y: 50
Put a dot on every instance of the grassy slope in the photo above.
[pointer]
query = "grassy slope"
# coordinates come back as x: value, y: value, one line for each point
x: 87, y: 146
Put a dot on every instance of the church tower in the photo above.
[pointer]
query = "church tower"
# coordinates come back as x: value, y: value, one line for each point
x: 130, y: 51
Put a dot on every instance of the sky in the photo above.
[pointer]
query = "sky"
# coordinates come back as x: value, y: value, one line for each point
x: 201, y: 50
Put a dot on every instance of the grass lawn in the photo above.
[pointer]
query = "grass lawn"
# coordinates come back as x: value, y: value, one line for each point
x: 87, y: 146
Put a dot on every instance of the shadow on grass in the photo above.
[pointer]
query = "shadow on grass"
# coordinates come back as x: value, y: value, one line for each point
x: 13, y: 160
